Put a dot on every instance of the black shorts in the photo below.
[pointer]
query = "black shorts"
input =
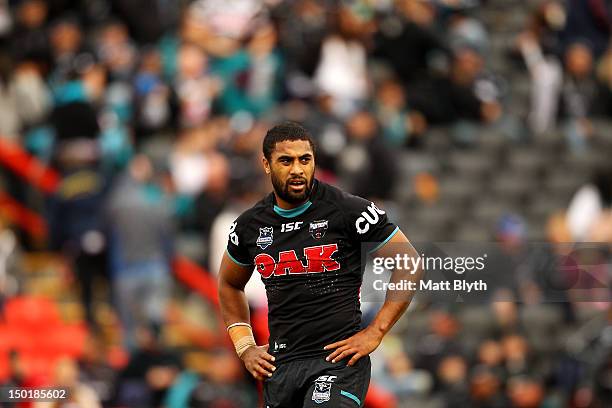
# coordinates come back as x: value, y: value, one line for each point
x: 318, y: 383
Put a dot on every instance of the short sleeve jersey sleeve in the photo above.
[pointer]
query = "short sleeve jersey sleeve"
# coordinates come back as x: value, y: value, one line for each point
x: 367, y: 223
x: 236, y: 248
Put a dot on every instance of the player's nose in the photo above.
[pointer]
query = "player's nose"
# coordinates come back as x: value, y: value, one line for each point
x: 297, y: 169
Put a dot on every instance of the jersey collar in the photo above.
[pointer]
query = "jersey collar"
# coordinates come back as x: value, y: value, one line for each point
x: 294, y: 212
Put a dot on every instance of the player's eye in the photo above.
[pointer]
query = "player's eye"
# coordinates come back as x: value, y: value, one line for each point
x: 305, y: 160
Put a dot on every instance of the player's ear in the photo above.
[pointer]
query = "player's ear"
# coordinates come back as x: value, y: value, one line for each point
x: 266, y: 164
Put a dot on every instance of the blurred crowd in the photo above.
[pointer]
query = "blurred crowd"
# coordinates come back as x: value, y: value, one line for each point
x: 152, y: 114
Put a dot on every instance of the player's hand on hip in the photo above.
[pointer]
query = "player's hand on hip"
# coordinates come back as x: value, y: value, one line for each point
x: 257, y: 360
x: 359, y: 345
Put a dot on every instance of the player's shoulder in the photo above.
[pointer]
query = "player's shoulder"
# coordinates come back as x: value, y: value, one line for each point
x: 367, y: 221
x: 345, y: 201
x: 251, y: 213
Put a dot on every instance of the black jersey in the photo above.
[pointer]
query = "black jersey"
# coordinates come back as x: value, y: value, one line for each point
x: 310, y: 260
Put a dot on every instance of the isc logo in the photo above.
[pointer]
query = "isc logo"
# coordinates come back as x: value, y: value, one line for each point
x: 327, y: 378
x: 291, y: 226
x: 318, y: 259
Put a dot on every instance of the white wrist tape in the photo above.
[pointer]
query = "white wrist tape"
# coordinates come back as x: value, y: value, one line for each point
x: 242, y: 337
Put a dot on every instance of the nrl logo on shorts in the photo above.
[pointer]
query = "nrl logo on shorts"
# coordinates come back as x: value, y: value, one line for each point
x: 321, y: 392
x: 265, y: 237
x: 318, y: 228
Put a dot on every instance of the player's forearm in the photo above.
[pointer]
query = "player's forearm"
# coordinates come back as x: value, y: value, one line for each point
x: 235, y: 312
x: 233, y: 303
x: 396, y: 302
x: 387, y: 316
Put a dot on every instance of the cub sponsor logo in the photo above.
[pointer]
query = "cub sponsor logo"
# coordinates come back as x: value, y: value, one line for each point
x: 318, y: 259
x: 265, y: 237
x: 370, y: 216
x: 318, y: 228
x: 321, y: 392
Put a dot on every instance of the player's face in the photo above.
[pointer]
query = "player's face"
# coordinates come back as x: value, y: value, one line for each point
x: 291, y: 169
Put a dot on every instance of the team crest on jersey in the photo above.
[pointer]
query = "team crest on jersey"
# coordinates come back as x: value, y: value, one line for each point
x: 265, y: 237
x: 321, y: 392
x: 318, y: 228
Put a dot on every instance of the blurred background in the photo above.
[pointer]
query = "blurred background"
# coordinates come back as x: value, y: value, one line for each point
x: 130, y: 139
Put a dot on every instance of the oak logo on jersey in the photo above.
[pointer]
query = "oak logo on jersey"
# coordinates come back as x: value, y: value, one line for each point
x: 265, y: 237
x: 321, y: 392
x: 318, y: 259
x: 318, y: 228
x: 370, y: 216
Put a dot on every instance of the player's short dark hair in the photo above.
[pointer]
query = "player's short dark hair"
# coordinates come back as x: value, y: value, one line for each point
x: 282, y: 132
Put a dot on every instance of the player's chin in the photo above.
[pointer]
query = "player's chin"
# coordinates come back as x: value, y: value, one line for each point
x: 297, y: 197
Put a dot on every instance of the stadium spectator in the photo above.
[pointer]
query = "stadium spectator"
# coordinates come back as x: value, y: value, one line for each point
x: 578, y: 94
x: 302, y: 29
x: 540, y: 47
x: 8, y: 248
x: 588, y: 207
x: 452, y: 372
x: 401, y: 125
x: 467, y: 31
x: 160, y: 16
x: 467, y: 94
x: 545, y: 26
x: 251, y: 76
x: 589, y: 22
x: 525, y: 392
x: 6, y: 20
x: 364, y: 162
x: 327, y: 128
x: 221, y: 384
x: 573, y: 36
x: 150, y: 372
x: 604, y: 75
x: 397, y: 373
x: 75, y: 212
x: 29, y: 38
x: 408, y: 39
x: 67, y: 376
x: 194, y: 86
x: 218, y: 26
x: 440, y: 341
x: 66, y: 40
x: 27, y: 97
x: 486, y: 389
x: 154, y: 99
x: 141, y: 236
x: 95, y: 371
x: 342, y: 69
